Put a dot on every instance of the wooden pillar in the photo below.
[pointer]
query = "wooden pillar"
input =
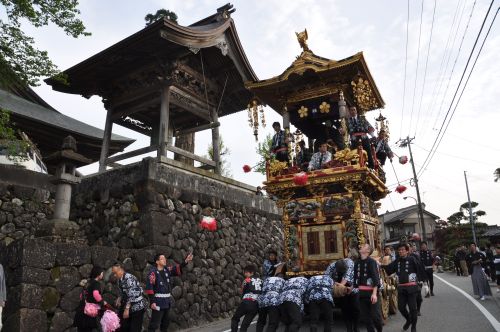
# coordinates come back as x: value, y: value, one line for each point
x: 216, y: 141
x: 286, y: 128
x: 164, y: 121
x: 106, y: 140
x: 286, y: 119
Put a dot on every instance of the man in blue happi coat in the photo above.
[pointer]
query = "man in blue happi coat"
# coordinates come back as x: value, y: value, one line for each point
x: 158, y: 289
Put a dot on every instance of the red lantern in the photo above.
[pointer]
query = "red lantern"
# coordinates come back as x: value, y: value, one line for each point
x: 403, y: 160
x: 209, y: 223
x: 300, y: 179
x: 246, y: 168
x: 400, y: 189
x: 415, y: 237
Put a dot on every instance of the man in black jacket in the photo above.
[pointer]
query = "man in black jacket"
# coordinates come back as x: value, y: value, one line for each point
x: 409, y: 272
x: 428, y: 261
x: 366, y: 282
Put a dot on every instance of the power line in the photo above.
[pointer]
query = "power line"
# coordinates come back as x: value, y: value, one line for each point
x: 465, y: 85
x: 416, y: 70
x: 438, y: 138
x: 406, y: 62
x: 425, y: 70
x: 441, y: 73
x: 454, y: 63
x: 457, y: 157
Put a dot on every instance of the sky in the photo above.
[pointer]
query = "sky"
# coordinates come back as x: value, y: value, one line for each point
x: 338, y: 29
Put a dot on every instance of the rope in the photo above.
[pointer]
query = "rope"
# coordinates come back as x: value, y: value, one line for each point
x: 204, y: 81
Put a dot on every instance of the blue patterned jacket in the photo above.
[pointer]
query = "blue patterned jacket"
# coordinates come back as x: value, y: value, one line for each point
x: 293, y: 291
x: 348, y: 275
x: 319, y: 288
x: 271, y: 290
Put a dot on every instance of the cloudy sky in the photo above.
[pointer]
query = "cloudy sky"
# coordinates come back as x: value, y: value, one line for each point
x: 338, y: 29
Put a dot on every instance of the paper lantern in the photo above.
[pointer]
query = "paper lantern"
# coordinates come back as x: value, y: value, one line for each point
x: 400, y: 189
x: 403, y: 160
x: 209, y: 223
x: 246, y: 168
x: 300, y: 179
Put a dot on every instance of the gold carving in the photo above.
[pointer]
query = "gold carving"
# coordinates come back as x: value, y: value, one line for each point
x: 303, y: 111
x: 275, y: 167
x: 363, y: 94
x: 348, y: 155
x: 302, y: 38
x: 324, y: 107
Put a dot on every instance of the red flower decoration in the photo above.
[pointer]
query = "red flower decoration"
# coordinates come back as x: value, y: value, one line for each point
x: 300, y: 179
x: 209, y: 223
x: 403, y: 160
x: 246, y: 168
x: 400, y: 189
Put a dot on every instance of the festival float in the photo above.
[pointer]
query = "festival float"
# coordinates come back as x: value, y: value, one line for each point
x: 329, y: 210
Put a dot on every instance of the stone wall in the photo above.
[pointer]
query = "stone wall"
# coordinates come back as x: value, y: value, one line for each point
x: 22, y: 209
x: 128, y: 215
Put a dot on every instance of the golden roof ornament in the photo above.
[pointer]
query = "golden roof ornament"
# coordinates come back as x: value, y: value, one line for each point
x: 302, y: 39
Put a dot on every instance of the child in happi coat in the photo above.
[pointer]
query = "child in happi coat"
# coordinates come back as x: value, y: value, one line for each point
x: 248, y: 307
x: 269, y: 304
x: 292, y: 304
x: 320, y: 300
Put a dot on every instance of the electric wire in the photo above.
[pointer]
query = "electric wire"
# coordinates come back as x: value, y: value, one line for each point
x: 425, y: 70
x: 439, y: 138
x: 454, y: 64
x: 406, y: 63
x: 416, y: 70
x: 441, y: 73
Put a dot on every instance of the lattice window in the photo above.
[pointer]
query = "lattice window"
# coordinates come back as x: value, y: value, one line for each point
x: 313, y: 243
x: 331, y: 242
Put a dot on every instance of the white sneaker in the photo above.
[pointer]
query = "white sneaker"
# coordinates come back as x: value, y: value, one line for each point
x: 498, y: 290
x: 482, y: 298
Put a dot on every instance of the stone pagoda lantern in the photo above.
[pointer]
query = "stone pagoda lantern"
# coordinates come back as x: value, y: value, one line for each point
x: 60, y: 228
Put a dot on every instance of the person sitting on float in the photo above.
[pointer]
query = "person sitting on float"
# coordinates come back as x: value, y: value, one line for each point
x: 320, y: 158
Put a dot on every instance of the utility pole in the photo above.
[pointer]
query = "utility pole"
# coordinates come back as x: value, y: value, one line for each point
x: 471, y: 218
x: 404, y: 143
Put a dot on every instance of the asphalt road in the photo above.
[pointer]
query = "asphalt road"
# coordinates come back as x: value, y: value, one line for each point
x: 450, y: 310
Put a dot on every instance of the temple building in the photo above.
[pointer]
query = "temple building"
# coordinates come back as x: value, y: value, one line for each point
x: 166, y: 81
x: 46, y: 127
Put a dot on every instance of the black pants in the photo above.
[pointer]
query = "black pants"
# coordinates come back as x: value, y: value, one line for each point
x: 349, y: 306
x: 419, y: 298
x: 430, y: 277
x: 458, y: 268
x: 371, y: 313
x: 407, y: 296
x: 291, y: 316
x: 273, y: 312
x: 316, y: 308
x: 133, y: 323
x: 159, y: 320
x: 249, y: 310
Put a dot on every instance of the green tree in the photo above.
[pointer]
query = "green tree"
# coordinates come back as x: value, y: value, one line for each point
x: 224, y: 151
x: 446, y: 240
x: 463, y: 214
x: 496, y: 174
x: 264, y: 151
x: 160, y: 13
x: 464, y: 208
x: 19, y: 58
x: 16, y: 149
